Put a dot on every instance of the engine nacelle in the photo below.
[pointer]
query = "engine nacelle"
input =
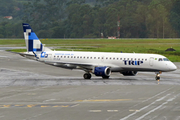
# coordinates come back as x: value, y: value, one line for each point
x: 102, y: 71
x: 129, y: 73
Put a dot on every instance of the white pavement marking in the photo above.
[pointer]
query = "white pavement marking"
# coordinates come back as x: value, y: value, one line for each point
x: 143, y: 102
x: 169, y: 100
x: 151, y: 111
x: 75, y: 105
x: 162, y: 97
x: 95, y: 110
x: 49, y: 100
x: 112, y: 110
x: 134, y: 110
x: 146, y: 107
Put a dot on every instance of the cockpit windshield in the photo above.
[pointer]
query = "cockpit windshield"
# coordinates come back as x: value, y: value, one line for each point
x: 160, y: 59
x: 163, y: 59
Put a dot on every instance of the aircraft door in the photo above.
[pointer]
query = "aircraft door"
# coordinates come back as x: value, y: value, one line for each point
x: 49, y: 56
x: 151, y: 60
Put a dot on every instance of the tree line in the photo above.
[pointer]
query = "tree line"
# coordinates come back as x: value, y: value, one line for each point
x: 92, y: 18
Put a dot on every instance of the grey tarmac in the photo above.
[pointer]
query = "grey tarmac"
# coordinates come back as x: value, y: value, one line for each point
x: 30, y: 90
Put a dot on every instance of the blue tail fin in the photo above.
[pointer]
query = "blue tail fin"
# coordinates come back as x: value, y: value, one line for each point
x: 33, y: 44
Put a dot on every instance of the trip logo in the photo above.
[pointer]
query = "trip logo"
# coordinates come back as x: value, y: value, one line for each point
x: 131, y: 62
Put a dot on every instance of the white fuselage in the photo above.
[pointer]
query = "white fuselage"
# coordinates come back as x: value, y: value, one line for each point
x: 118, y: 62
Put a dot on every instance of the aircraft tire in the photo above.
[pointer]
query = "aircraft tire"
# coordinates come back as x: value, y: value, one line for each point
x: 157, y: 77
x: 87, y: 76
x: 105, y: 77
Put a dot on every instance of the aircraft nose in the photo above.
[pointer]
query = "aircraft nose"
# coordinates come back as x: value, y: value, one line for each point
x: 172, y: 67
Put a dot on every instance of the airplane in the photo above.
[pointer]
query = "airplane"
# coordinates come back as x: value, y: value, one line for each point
x: 100, y: 64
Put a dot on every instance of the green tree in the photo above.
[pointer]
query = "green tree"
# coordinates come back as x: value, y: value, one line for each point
x: 175, y: 16
x: 158, y: 19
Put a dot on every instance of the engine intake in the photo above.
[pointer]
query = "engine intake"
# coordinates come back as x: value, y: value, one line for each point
x: 129, y: 73
x: 102, y: 71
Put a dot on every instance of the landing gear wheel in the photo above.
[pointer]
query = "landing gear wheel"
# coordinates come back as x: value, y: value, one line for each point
x: 105, y: 77
x: 157, y: 77
x: 87, y: 76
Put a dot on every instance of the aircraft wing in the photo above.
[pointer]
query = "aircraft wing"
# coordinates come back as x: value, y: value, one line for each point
x: 73, y: 65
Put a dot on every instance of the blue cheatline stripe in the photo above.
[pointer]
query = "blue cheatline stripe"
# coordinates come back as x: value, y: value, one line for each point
x: 32, y: 36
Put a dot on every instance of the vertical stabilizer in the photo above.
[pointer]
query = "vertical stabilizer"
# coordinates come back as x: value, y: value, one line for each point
x: 33, y: 44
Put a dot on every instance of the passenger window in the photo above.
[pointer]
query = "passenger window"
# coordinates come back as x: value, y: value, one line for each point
x: 98, y: 57
x: 94, y: 57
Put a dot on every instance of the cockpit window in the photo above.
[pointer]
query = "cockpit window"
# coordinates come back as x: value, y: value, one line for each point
x: 165, y: 59
x: 160, y: 59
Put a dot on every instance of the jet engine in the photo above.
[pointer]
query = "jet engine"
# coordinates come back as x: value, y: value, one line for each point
x: 102, y: 71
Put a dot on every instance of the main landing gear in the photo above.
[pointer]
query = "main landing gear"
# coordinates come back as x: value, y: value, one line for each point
x: 158, y: 76
x: 105, y: 77
x: 87, y: 76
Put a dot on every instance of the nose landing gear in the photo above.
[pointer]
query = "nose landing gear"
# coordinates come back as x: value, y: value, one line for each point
x: 158, y: 76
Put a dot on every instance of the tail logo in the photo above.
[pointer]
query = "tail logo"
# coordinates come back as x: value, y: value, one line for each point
x: 32, y: 41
